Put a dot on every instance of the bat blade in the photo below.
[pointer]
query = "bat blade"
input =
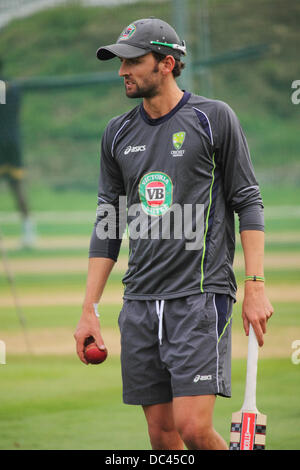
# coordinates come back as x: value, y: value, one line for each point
x: 248, y: 426
x: 248, y: 431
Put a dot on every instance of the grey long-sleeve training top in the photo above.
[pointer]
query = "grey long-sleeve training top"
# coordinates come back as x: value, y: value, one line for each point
x: 184, y: 175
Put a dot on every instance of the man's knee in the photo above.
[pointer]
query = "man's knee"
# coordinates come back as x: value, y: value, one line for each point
x: 193, y: 420
x: 194, y: 431
x: 161, y: 428
x: 159, y: 435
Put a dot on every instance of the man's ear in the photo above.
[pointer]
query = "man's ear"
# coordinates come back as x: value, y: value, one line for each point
x: 167, y: 64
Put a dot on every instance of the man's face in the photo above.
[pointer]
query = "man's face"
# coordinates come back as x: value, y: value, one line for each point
x: 141, y: 76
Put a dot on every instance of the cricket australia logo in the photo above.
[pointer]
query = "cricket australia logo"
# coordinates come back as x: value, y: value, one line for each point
x: 178, y: 139
x: 128, y: 32
x: 156, y: 192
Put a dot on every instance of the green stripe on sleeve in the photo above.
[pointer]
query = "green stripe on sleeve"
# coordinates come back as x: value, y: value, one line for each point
x: 206, y: 222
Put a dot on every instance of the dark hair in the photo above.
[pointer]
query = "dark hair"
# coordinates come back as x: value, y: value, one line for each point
x: 178, y: 67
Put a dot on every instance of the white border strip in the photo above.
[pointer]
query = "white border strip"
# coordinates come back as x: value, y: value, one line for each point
x: 211, y: 134
x: 113, y: 143
x: 217, y: 345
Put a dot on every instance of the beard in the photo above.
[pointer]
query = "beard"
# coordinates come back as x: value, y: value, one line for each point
x: 143, y: 92
x: 147, y: 90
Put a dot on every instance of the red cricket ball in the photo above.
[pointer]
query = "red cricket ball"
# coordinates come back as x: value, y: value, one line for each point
x: 92, y: 353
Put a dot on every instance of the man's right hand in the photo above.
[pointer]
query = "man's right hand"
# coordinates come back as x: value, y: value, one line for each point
x: 88, y: 325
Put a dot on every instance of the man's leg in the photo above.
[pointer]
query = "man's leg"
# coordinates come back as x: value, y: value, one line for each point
x: 193, y: 418
x: 19, y: 194
x: 161, y: 427
x: 29, y: 233
x: 188, y: 420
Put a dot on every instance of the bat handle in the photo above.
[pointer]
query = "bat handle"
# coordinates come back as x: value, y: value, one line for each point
x: 250, y: 390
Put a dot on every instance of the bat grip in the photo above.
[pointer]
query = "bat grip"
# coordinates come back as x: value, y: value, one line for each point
x: 250, y: 390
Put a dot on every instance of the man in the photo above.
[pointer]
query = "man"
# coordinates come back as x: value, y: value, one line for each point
x: 11, y: 164
x: 173, y: 152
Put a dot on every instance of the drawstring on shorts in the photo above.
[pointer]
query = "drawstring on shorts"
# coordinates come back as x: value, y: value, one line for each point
x: 160, y: 313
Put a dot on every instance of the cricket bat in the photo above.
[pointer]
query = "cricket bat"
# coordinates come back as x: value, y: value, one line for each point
x: 248, y: 426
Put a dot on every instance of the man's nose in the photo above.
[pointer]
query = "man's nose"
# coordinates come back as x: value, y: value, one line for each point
x: 123, y: 69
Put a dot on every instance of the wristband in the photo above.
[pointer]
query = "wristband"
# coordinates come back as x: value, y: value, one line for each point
x: 255, y: 278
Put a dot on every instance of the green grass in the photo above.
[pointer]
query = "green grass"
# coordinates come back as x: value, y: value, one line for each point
x: 43, y: 198
x: 55, y: 317
x: 50, y: 229
x: 66, y: 405
x: 55, y: 284
x: 285, y: 195
x: 37, y: 253
x: 282, y: 225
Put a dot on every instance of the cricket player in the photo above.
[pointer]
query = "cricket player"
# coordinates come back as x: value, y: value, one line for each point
x: 183, y: 164
x: 11, y: 161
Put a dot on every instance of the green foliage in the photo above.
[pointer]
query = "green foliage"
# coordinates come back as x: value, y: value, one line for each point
x: 62, y: 128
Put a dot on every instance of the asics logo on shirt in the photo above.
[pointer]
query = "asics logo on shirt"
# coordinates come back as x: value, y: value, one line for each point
x: 137, y: 148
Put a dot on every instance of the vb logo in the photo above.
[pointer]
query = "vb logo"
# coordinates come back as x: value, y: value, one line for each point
x: 155, y: 193
x: 2, y: 92
x: 2, y: 352
x: 156, y: 190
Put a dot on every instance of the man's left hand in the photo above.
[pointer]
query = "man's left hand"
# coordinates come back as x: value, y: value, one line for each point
x: 256, y: 309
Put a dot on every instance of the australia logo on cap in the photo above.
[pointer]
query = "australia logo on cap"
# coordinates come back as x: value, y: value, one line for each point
x: 128, y: 32
x: 155, y: 190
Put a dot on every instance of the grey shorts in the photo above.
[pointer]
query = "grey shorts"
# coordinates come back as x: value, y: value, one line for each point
x: 177, y: 347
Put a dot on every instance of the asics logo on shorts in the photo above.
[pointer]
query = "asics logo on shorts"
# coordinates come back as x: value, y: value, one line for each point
x: 137, y: 148
x: 202, y: 377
